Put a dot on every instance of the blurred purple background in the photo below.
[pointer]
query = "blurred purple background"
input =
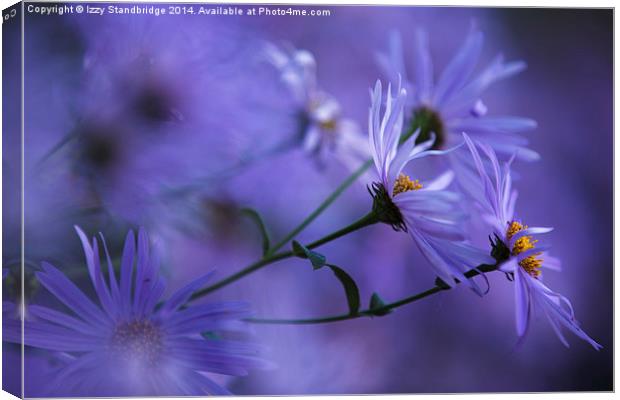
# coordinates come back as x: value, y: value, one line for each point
x: 451, y: 342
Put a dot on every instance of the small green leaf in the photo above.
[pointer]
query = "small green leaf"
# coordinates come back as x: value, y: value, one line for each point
x: 377, y: 306
x: 318, y: 260
x: 255, y: 216
x: 350, y: 288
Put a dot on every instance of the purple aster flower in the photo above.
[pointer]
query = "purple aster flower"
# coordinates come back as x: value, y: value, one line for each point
x: 427, y: 211
x: 519, y: 246
x: 129, y: 341
x: 145, y: 113
x: 325, y: 132
x: 453, y: 104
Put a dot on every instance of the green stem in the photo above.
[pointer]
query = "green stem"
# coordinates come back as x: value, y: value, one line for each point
x: 57, y: 147
x: 226, y: 173
x: 271, y: 256
x: 366, y: 220
x: 326, y: 203
x: 439, y: 286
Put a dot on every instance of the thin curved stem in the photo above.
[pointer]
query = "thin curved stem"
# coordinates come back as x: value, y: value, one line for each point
x: 366, y: 220
x: 439, y: 287
x: 227, y: 172
x: 271, y: 256
x: 326, y: 203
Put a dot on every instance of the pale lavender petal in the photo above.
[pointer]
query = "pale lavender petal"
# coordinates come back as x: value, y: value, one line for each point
x: 459, y: 69
x: 127, y: 267
x: 423, y: 68
x: 496, y: 71
x: 94, y: 270
x: 182, y: 295
x: 69, y: 294
x: 522, y: 301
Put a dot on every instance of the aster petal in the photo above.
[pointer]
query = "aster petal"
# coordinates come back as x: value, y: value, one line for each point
x: 443, y: 270
x: 505, y: 124
x: 491, y: 195
x: 182, y: 295
x: 57, y: 338
x: 445, y: 229
x: 114, y: 289
x: 392, y: 126
x: 509, y: 266
x: 441, y: 182
x: 423, y: 67
x: 312, y: 139
x: 551, y: 263
x: 393, y: 63
x: 94, y: 270
x: 141, y: 265
x: 218, y: 356
x: 127, y: 261
x: 522, y: 302
x: 495, y: 71
x: 197, y: 317
x: 64, y: 320
x: 69, y: 294
x: 374, y: 129
x: 560, y: 311
x: 459, y: 69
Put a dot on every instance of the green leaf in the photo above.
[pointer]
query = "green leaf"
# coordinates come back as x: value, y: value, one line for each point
x: 318, y: 260
x: 350, y: 288
x: 377, y: 306
x: 255, y: 216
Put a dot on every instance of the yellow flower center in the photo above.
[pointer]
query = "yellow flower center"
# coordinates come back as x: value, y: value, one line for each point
x: 329, y: 125
x: 530, y: 264
x: 405, y: 184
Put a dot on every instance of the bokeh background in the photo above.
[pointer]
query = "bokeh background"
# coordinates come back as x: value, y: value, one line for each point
x: 230, y: 107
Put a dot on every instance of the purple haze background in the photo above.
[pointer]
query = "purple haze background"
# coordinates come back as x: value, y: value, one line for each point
x: 451, y: 342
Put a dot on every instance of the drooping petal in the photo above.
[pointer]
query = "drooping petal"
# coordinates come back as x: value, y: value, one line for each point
x: 522, y: 302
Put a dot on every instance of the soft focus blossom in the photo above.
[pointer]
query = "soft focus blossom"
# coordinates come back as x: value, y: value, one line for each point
x: 453, y: 103
x: 130, y: 342
x: 324, y: 131
x: 427, y: 211
x: 525, y: 256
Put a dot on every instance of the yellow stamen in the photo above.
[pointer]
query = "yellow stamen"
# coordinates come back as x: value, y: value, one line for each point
x: 405, y: 184
x: 530, y: 264
x: 514, y: 227
x: 329, y: 125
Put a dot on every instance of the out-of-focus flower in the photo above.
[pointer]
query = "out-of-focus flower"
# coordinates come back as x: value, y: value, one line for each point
x: 145, y: 116
x: 427, y: 212
x: 130, y: 342
x: 324, y: 132
x: 453, y: 104
x: 524, y: 257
